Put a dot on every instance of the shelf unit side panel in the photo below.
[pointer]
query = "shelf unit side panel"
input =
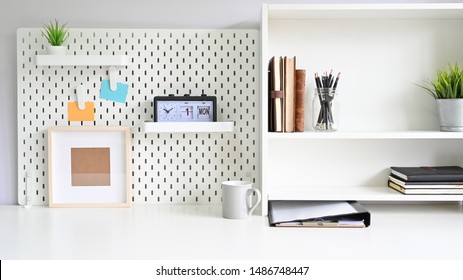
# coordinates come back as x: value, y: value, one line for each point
x: 263, y: 107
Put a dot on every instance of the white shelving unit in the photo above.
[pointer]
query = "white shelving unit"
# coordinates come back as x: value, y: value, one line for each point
x: 382, y: 52
x: 81, y: 60
x: 173, y: 127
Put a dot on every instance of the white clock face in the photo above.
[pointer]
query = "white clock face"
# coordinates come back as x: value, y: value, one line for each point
x: 167, y: 111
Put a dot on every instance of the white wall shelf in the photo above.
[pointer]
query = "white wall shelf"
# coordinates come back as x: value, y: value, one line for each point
x: 382, y: 52
x: 81, y: 60
x: 179, y: 127
x: 362, y: 193
x: 367, y: 135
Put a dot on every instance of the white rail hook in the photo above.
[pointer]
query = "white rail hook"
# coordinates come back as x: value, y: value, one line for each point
x: 80, y: 97
x: 113, y: 78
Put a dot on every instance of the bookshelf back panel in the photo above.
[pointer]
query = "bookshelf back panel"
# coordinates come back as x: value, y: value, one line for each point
x: 380, y: 61
x: 352, y: 162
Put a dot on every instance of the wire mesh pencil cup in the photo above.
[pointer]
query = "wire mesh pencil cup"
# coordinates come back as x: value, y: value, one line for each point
x: 325, y: 109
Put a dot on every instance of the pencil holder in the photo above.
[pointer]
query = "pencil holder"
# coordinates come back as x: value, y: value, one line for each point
x: 325, y: 109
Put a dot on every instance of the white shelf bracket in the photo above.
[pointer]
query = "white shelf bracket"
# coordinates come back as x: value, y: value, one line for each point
x: 113, y: 78
x: 80, y: 97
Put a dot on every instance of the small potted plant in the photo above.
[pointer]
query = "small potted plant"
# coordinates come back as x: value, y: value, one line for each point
x: 447, y: 89
x: 56, y: 34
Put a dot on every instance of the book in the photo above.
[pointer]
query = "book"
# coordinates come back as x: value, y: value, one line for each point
x: 276, y: 96
x: 289, y: 77
x: 317, y: 214
x: 300, y: 100
x: 440, y: 191
x: 429, y: 173
x: 425, y: 185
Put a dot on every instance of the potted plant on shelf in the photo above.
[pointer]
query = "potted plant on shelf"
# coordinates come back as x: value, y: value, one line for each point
x: 56, y: 34
x: 447, y: 89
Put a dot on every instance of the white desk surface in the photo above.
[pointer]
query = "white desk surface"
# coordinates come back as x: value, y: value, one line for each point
x: 199, y: 232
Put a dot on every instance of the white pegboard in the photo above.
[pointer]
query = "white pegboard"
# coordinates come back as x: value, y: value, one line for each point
x: 177, y: 168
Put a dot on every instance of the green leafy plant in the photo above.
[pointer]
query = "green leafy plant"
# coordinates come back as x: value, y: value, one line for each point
x: 55, y: 34
x: 448, y: 84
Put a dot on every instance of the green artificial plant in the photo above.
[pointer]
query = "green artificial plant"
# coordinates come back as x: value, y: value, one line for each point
x: 55, y: 34
x: 448, y: 84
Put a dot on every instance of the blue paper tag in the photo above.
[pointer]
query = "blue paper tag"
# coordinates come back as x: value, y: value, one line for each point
x: 119, y: 95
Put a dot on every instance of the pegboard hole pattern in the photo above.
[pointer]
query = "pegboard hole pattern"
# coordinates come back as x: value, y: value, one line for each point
x: 172, y: 168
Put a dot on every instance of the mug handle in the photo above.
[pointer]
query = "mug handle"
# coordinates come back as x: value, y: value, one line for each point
x: 251, y: 208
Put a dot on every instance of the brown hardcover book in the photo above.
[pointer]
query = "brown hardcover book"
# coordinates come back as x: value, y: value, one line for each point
x: 289, y: 93
x: 275, y: 108
x: 300, y: 100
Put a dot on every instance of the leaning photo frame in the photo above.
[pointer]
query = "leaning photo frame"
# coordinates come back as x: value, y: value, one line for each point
x: 89, y: 167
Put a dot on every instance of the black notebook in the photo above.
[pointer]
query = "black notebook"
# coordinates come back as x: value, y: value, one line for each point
x: 429, y: 173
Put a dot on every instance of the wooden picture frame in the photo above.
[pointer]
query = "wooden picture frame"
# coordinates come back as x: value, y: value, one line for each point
x: 89, y: 167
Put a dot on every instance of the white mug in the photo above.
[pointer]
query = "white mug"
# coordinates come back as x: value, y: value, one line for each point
x: 237, y: 199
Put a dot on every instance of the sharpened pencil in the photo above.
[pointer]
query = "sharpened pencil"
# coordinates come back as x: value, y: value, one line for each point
x: 336, y: 82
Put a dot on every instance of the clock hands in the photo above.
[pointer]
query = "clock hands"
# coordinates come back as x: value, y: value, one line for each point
x: 167, y: 111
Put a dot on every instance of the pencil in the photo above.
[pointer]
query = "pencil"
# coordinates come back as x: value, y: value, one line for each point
x: 317, y: 81
x: 336, y: 81
x: 330, y: 78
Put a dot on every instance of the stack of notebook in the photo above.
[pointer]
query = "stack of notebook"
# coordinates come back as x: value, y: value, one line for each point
x: 427, y: 180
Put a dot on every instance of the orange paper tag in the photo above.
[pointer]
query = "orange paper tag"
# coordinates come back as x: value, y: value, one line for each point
x: 77, y: 115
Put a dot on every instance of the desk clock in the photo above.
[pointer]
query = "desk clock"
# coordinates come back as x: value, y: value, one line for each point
x: 185, y: 108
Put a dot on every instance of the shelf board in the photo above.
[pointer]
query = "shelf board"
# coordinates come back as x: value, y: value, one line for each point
x: 365, y: 11
x: 81, y: 60
x: 367, y: 135
x: 172, y: 127
x: 360, y: 193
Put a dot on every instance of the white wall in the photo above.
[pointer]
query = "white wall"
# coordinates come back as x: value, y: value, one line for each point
x: 105, y: 14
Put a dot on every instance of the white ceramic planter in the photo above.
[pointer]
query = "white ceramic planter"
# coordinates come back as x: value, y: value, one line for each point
x: 450, y: 114
x: 56, y: 50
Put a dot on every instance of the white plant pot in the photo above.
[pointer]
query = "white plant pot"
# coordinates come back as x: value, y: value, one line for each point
x: 56, y: 50
x: 450, y: 114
